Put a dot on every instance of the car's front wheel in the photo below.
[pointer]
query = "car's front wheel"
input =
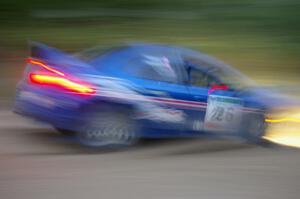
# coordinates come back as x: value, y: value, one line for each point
x: 253, y: 127
x: 107, y: 126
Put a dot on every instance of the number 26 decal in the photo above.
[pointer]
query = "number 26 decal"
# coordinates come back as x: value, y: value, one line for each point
x: 221, y: 113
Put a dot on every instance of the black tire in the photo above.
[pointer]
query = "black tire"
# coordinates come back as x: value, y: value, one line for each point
x: 65, y: 132
x: 253, y: 127
x: 108, y: 126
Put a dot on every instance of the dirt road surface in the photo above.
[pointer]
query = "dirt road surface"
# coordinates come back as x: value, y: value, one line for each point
x: 37, y: 163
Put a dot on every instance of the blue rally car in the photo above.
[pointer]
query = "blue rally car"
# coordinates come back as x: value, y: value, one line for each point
x: 118, y: 95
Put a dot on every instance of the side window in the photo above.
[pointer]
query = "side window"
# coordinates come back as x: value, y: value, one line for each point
x: 155, y: 67
x: 201, y: 79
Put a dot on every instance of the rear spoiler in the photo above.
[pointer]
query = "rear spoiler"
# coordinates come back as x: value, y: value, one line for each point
x: 52, y: 55
x: 41, y: 51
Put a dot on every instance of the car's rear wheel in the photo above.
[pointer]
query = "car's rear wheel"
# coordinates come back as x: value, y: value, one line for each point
x: 107, y: 126
x: 253, y: 127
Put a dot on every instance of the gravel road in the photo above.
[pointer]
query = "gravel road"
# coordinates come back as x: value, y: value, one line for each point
x: 37, y: 163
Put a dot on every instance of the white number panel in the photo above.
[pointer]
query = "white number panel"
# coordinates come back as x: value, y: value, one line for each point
x: 223, y: 113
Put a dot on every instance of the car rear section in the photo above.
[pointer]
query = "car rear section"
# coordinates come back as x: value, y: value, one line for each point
x: 73, y: 96
x: 54, y: 87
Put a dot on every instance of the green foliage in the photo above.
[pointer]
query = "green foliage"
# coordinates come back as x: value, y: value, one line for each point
x: 262, y: 34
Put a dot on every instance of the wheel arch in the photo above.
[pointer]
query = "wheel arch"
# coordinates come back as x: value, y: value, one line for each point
x: 107, y: 104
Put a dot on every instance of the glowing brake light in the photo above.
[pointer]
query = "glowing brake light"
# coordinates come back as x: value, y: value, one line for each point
x: 61, y: 82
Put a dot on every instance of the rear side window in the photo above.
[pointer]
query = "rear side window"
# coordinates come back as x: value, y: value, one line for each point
x: 95, y: 52
x: 156, y: 67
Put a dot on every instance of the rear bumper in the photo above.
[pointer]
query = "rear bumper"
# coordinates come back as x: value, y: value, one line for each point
x: 57, y: 111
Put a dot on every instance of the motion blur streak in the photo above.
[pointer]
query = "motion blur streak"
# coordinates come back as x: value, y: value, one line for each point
x: 63, y: 82
x: 284, y: 133
x: 283, y: 120
x: 292, y: 140
x: 30, y: 60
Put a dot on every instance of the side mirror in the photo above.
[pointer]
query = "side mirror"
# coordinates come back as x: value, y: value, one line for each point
x: 218, y: 87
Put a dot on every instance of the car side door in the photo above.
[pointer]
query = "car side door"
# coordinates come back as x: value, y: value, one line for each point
x: 199, y: 87
x: 222, y: 108
x: 163, y: 81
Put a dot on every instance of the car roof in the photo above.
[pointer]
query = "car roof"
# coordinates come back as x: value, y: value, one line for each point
x: 116, y: 59
x: 127, y: 51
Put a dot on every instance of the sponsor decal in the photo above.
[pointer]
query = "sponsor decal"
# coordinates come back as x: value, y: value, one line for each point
x: 198, y: 125
x: 223, y: 113
x: 161, y: 114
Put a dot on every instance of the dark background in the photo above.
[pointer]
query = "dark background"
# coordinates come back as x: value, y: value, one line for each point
x: 259, y: 37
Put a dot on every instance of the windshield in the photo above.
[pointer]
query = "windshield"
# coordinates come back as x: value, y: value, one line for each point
x: 232, y: 78
x: 223, y: 72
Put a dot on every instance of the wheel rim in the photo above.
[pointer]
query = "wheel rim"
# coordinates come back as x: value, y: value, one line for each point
x: 107, y: 133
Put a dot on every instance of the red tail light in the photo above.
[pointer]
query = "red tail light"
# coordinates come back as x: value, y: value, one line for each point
x: 57, y: 79
x: 61, y: 82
